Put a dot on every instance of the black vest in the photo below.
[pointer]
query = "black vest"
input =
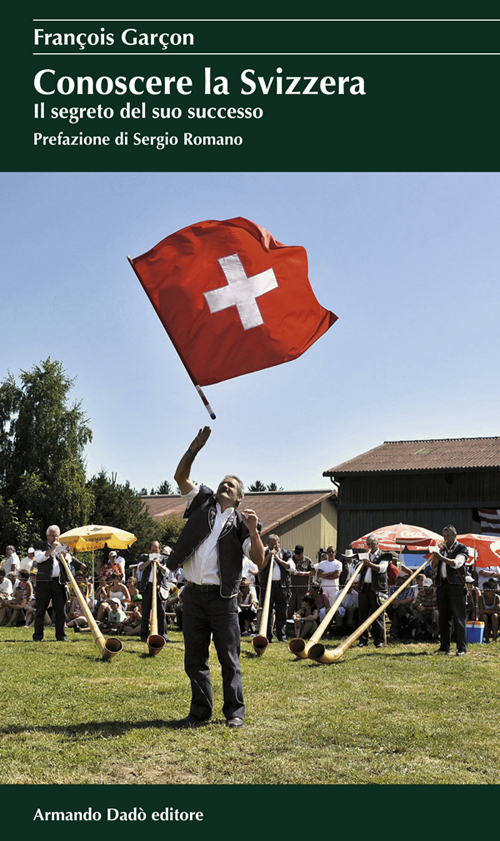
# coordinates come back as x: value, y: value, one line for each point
x: 285, y: 577
x: 379, y: 579
x: 453, y: 576
x: 144, y: 579
x: 44, y: 569
x: 200, y: 521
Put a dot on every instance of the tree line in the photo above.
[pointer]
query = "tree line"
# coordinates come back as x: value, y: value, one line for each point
x: 42, y: 470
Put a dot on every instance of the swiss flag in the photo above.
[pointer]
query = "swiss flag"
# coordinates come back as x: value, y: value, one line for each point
x: 232, y: 298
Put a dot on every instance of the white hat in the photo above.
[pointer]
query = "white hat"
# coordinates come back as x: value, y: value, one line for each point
x: 348, y: 554
x: 30, y: 550
x: 427, y: 582
x: 166, y: 550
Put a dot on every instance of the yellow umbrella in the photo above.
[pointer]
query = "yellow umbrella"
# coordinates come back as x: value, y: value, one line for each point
x: 91, y: 537
x: 88, y: 538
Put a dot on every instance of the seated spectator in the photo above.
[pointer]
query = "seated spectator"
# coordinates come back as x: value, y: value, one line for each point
x: 472, y: 602
x: 115, y: 590
x: 12, y: 576
x: 400, y: 611
x: 346, y: 617
x: 6, y: 588
x: 115, y: 558
x: 488, y: 573
x: 395, y: 568
x: 27, y: 562
x: 12, y: 609
x: 131, y: 626
x: 111, y: 568
x: 131, y: 585
x: 306, y: 619
x: 247, y: 608
x: 425, y: 611
x: 320, y: 599
x: 178, y: 608
x: 113, y: 616
x: 76, y: 618
x: 489, y: 610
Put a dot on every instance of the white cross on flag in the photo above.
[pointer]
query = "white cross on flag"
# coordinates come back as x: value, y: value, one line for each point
x: 232, y: 298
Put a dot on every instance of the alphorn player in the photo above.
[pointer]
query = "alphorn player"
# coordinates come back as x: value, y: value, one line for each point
x: 146, y: 589
x: 210, y: 549
x: 279, y: 565
x: 449, y: 562
x: 373, y: 591
x: 51, y: 581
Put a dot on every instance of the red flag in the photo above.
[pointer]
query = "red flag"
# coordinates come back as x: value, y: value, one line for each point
x: 232, y: 298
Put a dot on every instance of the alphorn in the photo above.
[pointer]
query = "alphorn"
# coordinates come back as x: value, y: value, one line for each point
x: 108, y: 648
x: 301, y: 647
x: 260, y: 642
x: 320, y: 654
x: 155, y: 641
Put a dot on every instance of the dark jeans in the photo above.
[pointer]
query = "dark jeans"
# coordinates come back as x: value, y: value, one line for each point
x: 368, y: 602
x: 147, y: 598
x: 206, y: 615
x: 45, y: 592
x: 279, y: 602
x: 451, y: 600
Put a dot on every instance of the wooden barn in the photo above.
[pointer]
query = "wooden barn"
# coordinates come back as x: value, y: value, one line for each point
x: 421, y: 483
x: 305, y: 517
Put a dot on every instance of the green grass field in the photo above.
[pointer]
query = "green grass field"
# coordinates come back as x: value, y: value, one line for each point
x: 396, y: 715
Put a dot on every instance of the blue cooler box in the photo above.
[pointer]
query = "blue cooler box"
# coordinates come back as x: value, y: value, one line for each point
x: 475, y: 631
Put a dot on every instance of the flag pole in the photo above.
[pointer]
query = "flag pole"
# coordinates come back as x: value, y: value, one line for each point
x: 191, y: 376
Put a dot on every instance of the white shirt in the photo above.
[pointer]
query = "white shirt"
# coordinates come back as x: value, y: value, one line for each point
x: 276, y: 576
x: 250, y: 570
x: 27, y: 563
x: 329, y: 566
x: 203, y: 566
x: 6, y: 586
x: 153, y: 556
x: 12, y: 559
x: 484, y: 573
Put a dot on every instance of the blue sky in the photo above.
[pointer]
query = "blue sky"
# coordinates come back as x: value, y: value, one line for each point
x: 408, y: 261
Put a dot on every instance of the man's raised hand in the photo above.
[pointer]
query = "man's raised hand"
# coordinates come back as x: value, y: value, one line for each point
x: 201, y: 439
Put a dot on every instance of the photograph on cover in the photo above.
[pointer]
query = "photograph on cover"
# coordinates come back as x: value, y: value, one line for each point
x: 391, y: 415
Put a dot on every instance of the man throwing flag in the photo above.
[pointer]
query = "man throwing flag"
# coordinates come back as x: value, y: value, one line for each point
x: 210, y: 549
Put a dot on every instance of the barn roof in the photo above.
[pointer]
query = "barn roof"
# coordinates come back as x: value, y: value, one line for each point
x: 273, y: 507
x: 443, y: 454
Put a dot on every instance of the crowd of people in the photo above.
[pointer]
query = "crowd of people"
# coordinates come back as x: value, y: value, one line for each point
x: 120, y: 604
x: 302, y: 592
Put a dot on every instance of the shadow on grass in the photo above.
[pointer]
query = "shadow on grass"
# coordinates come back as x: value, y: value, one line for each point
x: 45, y: 640
x: 105, y: 729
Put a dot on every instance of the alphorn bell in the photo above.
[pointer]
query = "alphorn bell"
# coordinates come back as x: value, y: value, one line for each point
x: 319, y: 653
x: 108, y: 648
x: 260, y: 642
x: 155, y: 640
x: 301, y: 647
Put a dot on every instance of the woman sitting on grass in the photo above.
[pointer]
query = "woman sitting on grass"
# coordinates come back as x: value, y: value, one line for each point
x: 247, y: 608
x: 306, y: 619
x: 132, y: 625
x: 489, y: 610
x: 320, y: 598
x: 75, y: 615
x: 12, y: 610
x: 114, y: 591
